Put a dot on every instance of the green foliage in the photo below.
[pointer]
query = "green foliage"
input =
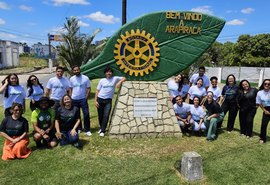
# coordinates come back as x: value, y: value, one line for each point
x: 77, y: 48
x: 253, y: 51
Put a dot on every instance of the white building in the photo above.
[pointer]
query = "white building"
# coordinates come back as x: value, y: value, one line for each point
x: 9, y: 54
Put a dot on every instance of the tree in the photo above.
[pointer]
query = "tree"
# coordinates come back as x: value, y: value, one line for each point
x: 77, y: 48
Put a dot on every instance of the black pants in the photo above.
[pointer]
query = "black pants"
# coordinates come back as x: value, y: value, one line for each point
x: 265, y: 121
x: 104, y: 110
x: 232, y: 108
x: 246, y: 117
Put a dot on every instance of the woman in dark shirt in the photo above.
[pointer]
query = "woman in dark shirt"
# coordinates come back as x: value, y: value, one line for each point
x: 214, y: 115
x: 14, y: 129
x: 248, y: 108
x: 66, y: 122
x: 230, y: 94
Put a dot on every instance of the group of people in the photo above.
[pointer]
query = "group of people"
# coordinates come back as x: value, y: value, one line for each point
x: 201, y: 107
x: 55, y: 110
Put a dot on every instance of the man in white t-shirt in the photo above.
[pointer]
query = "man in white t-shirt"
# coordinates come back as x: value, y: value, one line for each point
x: 57, y: 87
x: 182, y: 113
x: 104, y: 96
x: 194, y: 78
x: 80, y: 90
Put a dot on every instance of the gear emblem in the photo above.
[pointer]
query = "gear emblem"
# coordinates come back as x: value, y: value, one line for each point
x: 136, y: 53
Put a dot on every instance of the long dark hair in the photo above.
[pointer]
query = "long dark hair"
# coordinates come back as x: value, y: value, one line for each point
x: 30, y: 85
x: 241, y: 83
x: 8, y: 78
x: 227, y: 83
x: 262, y: 87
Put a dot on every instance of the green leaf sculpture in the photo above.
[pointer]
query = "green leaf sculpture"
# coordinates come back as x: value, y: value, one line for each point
x: 156, y: 46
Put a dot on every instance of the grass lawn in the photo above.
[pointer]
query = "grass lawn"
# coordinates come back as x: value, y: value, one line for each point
x: 231, y: 159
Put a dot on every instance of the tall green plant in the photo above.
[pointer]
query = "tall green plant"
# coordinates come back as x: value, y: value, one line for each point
x: 77, y: 48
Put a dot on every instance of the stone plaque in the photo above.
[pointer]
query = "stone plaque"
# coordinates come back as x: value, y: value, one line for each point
x: 145, y: 107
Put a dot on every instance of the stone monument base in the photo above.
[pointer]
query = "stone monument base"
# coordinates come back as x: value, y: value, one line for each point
x: 159, y: 121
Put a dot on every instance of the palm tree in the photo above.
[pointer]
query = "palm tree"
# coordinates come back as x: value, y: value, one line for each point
x: 77, y: 49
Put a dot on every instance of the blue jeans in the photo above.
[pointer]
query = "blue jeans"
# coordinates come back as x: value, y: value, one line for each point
x: 83, y: 104
x: 104, y: 110
x: 67, y: 138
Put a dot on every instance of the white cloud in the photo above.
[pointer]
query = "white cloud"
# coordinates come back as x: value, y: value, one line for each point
x: 26, y: 8
x: 62, y: 2
x: 100, y: 17
x: 4, y: 6
x: 247, y: 10
x: 83, y: 24
x: 235, y: 22
x: 2, y: 21
x: 7, y: 36
x: 203, y: 9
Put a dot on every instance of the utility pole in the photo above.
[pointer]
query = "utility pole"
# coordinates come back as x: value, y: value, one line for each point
x: 124, y: 12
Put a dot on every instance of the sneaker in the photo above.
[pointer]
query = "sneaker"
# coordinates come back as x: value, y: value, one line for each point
x: 99, y: 131
x: 79, y: 131
x: 77, y: 145
x: 101, y: 134
x: 88, y: 133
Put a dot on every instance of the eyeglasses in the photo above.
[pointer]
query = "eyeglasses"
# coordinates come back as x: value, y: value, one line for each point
x: 16, y: 110
x: 34, y: 79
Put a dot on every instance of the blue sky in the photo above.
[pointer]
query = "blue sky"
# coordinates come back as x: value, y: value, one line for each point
x: 30, y: 21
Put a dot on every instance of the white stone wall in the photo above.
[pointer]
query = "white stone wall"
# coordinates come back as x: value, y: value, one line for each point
x: 124, y: 125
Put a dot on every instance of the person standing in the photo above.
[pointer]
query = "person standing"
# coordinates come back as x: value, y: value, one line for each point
x: 80, y: 90
x: 35, y: 90
x: 184, y: 88
x: 263, y: 100
x: 201, y: 74
x: 57, y: 87
x: 67, y: 121
x: 213, y: 116
x: 14, y: 92
x: 104, y: 95
x: 214, y: 88
x: 14, y: 129
x: 173, y: 87
x: 230, y: 94
x: 247, y: 107
x: 196, y: 91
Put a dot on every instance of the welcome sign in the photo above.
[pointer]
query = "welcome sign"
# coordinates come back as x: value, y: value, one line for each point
x: 156, y: 46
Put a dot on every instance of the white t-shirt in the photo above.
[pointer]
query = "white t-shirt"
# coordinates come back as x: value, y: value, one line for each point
x: 182, y: 111
x: 184, y: 90
x: 173, y: 88
x: 216, y: 91
x: 79, y: 85
x: 38, y: 92
x: 15, y: 94
x: 196, y: 112
x: 195, y: 91
x: 58, y: 87
x: 194, y: 78
x: 263, y: 97
x: 106, y: 87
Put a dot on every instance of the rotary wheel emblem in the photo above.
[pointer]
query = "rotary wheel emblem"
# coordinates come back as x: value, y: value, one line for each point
x: 136, y: 53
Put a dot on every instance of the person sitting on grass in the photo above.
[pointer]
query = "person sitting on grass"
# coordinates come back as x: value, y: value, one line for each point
x: 43, y: 122
x: 66, y: 122
x: 182, y: 113
x: 214, y: 115
x: 197, y: 115
x: 14, y: 129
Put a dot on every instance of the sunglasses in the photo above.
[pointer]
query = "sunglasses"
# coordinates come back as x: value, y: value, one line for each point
x: 266, y: 84
x: 34, y: 79
x: 16, y: 110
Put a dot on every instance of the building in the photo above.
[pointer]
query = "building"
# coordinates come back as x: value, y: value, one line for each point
x: 9, y: 54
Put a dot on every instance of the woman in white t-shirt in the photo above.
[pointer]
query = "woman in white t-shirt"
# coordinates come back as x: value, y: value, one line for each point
x: 104, y: 96
x: 13, y: 92
x: 173, y: 87
x: 196, y: 90
x: 197, y: 115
